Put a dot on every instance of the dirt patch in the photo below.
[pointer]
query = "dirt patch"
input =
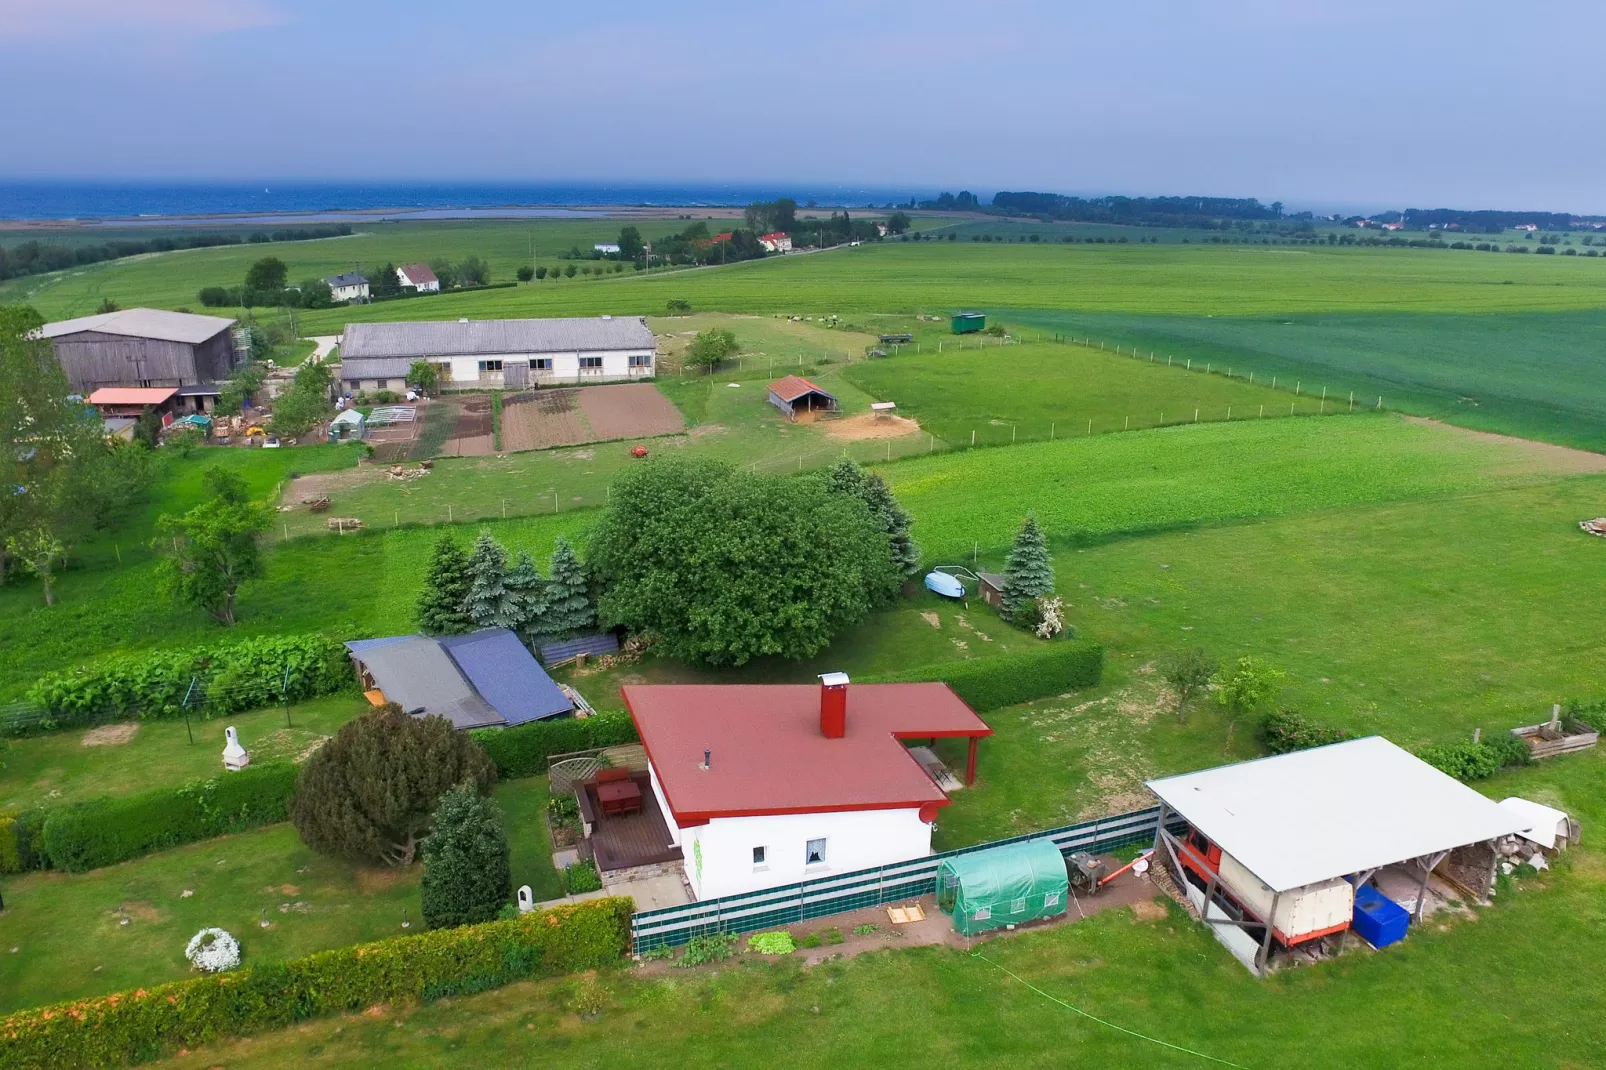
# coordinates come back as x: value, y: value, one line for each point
x: 630, y: 410
x: 109, y: 735
x: 1562, y: 459
x: 541, y: 419
x: 289, y: 889
x: 1149, y: 910
x: 932, y: 619
x: 868, y: 426
x: 375, y: 879
x: 140, y: 910
x: 471, y: 428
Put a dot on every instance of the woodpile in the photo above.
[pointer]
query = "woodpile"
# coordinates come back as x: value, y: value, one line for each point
x: 343, y: 523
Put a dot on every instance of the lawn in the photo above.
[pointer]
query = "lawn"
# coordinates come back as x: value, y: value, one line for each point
x: 66, y: 938
x: 1040, y: 390
x: 1517, y: 987
x: 1536, y: 375
x: 1094, y: 488
x: 62, y: 767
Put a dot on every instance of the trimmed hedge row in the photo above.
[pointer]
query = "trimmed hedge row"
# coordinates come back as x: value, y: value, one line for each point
x: 993, y: 683
x: 523, y: 751
x: 100, y: 832
x: 1286, y: 731
x: 244, y: 675
x: 149, y: 1023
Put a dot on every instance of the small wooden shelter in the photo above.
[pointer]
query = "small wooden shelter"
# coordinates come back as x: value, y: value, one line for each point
x: 794, y: 394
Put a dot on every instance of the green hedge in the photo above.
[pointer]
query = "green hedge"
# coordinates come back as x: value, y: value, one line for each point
x: 1286, y: 731
x: 150, y: 1023
x: 523, y: 751
x: 247, y: 674
x: 1469, y: 760
x: 89, y: 835
x: 993, y: 683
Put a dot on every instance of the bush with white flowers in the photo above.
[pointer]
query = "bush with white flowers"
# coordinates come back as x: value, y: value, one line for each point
x: 1050, y: 618
x: 213, y: 950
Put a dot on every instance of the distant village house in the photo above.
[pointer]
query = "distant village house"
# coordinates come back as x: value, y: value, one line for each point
x: 418, y: 277
x: 348, y: 286
x: 776, y: 242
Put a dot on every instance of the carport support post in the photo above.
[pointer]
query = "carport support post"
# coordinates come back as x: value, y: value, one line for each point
x: 1427, y: 872
x: 970, y: 763
x: 1264, y: 956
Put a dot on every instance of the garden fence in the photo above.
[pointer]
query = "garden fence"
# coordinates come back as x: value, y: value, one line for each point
x: 794, y: 903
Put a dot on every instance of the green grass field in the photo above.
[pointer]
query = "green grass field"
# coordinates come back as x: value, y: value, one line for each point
x: 1536, y: 375
x: 69, y: 938
x: 1094, y: 488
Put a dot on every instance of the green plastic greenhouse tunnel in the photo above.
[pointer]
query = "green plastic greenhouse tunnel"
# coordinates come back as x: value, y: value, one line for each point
x: 1002, y: 886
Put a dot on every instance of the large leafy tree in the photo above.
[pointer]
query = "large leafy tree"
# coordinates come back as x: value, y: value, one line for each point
x: 368, y: 793
x: 466, y: 878
x: 210, y: 551
x: 1028, y: 573
x: 489, y: 603
x: 725, y: 566
x: 269, y: 273
x: 64, y: 481
x: 306, y: 402
x: 567, y: 607
x: 440, y: 604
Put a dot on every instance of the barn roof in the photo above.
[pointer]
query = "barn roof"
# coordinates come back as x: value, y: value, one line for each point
x: 467, y: 338
x: 770, y: 757
x: 793, y: 387
x: 143, y: 323
x: 132, y: 395
x: 1301, y: 818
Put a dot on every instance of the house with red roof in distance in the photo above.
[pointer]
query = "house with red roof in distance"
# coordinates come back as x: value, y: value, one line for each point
x: 776, y: 242
x: 418, y: 277
x: 765, y: 785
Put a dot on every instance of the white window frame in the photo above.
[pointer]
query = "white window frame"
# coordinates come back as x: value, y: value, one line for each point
x: 590, y: 363
x: 641, y: 360
x: 808, y: 852
x: 490, y: 366
x: 761, y: 859
x: 541, y: 364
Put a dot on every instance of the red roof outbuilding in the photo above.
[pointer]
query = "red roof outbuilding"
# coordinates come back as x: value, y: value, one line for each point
x: 767, y: 753
x: 794, y: 387
x: 132, y: 395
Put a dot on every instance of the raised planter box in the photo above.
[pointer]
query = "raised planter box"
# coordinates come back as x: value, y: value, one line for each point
x: 1548, y: 740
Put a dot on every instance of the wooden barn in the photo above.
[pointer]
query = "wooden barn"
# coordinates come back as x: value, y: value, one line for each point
x: 795, y: 394
x: 143, y: 347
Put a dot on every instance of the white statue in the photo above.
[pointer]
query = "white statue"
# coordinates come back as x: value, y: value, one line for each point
x: 235, y: 757
x: 526, y: 899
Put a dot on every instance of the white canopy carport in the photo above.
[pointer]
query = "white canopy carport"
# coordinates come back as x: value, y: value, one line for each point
x: 1313, y: 815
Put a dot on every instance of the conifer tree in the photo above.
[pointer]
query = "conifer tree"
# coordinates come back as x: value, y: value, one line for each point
x: 897, y: 523
x: 1028, y: 575
x: 568, y: 606
x: 466, y: 878
x: 489, y: 603
x: 528, y: 590
x: 440, y: 606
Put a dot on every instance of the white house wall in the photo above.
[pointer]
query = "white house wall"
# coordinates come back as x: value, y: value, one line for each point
x: 718, y: 856
x: 465, y: 371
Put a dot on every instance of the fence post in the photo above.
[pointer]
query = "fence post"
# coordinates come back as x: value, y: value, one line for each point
x: 187, y: 730
x: 284, y: 693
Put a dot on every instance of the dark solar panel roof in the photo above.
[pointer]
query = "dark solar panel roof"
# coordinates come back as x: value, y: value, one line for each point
x: 506, y: 674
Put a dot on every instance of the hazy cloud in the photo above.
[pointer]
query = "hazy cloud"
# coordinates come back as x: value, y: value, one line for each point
x: 80, y: 18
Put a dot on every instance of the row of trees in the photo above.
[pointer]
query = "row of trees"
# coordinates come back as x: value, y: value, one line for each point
x: 464, y: 592
x: 65, y: 481
x: 267, y: 285
x: 36, y: 258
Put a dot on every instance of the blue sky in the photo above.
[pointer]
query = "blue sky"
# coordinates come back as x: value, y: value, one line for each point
x: 1462, y: 103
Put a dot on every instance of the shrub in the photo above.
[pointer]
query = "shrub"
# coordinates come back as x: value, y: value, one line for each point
x: 523, y: 751
x: 992, y: 683
x: 466, y: 878
x: 1287, y: 730
x: 100, y: 832
x: 780, y: 943
x: 1476, y: 759
x: 582, y: 876
x: 714, y: 947
x: 149, y: 1023
x: 10, y: 849
x: 1246, y: 684
x: 245, y: 674
x: 1582, y: 717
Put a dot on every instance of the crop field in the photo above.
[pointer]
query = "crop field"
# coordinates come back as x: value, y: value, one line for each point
x: 1088, y: 489
x: 1022, y: 393
x: 71, y: 941
x: 1537, y: 375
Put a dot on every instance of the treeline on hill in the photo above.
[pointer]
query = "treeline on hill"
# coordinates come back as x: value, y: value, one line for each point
x: 1481, y: 222
x: 697, y: 244
x: 36, y: 258
x: 1204, y: 212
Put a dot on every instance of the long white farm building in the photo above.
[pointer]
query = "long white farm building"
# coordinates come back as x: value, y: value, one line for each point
x: 487, y: 354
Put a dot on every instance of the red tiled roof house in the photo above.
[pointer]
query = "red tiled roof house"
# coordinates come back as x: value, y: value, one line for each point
x: 768, y: 785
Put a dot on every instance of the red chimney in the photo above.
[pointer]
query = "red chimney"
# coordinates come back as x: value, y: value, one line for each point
x: 834, y: 705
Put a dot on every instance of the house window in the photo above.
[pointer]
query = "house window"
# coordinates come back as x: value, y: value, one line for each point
x: 381, y: 384
x: 641, y: 360
x: 591, y: 362
x: 542, y: 364
x: 758, y: 858
x: 490, y: 365
x: 814, y: 853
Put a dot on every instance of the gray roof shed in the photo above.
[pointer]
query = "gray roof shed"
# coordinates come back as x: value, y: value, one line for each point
x: 143, y: 323
x: 415, y: 672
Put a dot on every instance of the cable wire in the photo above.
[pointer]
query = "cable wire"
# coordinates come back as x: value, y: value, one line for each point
x: 1101, y: 1021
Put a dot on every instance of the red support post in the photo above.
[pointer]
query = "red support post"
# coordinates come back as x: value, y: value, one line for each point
x: 970, y: 763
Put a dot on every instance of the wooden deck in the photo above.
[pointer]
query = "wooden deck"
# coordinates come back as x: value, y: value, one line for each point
x: 639, y: 839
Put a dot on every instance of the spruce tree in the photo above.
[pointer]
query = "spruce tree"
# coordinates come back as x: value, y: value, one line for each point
x: 489, y: 603
x: 528, y: 590
x: 896, y: 522
x: 440, y: 606
x: 466, y: 878
x: 568, y: 606
x: 1028, y: 575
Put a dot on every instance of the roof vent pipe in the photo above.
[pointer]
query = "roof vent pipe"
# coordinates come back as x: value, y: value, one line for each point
x: 708, y: 758
x: 834, y: 705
